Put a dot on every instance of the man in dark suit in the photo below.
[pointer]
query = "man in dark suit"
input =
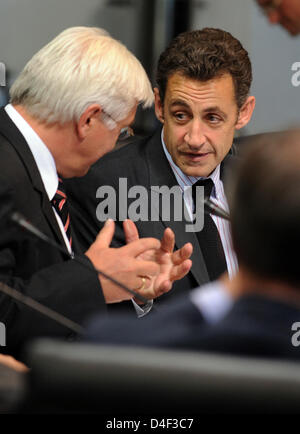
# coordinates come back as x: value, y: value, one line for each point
x: 64, y: 115
x: 257, y: 312
x: 201, y: 98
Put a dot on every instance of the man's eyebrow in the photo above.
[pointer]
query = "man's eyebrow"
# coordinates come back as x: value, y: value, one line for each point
x: 212, y: 109
x: 179, y: 102
x: 215, y: 109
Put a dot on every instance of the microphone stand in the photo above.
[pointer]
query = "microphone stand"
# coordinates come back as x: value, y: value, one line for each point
x: 35, y: 305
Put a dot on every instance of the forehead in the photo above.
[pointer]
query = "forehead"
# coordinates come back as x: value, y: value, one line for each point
x: 183, y: 90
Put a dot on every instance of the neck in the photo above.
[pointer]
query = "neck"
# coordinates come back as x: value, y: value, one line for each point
x: 58, y: 138
x: 246, y: 282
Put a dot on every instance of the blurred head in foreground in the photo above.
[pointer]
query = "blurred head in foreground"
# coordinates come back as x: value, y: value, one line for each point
x: 265, y: 209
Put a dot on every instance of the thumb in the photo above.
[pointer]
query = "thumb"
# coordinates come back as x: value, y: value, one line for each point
x: 106, y: 234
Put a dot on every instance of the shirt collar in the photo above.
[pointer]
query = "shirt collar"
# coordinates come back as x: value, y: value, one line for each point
x: 213, y: 301
x: 187, y: 181
x: 41, y: 154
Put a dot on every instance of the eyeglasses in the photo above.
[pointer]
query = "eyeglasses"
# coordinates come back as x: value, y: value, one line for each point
x: 125, y: 132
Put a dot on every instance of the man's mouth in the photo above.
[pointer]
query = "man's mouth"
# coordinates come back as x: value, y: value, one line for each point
x: 196, y: 156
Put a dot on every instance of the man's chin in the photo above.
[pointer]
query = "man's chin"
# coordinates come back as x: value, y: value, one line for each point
x: 78, y: 173
x: 83, y: 173
x: 202, y: 171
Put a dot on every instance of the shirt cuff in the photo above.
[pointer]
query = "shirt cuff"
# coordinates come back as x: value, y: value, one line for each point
x: 142, y: 310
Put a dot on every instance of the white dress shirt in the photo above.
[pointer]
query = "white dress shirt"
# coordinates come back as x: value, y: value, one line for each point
x: 218, y: 196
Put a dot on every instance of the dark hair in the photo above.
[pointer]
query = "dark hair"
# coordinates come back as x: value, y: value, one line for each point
x: 265, y: 208
x: 204, y: 55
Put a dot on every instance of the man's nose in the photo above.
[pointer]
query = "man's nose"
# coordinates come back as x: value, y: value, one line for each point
x: 195, y: 135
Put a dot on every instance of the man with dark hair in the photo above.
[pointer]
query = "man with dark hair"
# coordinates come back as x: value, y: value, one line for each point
x: 204, y: 55
x: 260, y: 307
x: 201, y: 98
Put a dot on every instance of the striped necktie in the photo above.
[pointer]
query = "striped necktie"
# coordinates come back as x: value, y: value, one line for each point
x: 60, y: 204
x: 209, y: 238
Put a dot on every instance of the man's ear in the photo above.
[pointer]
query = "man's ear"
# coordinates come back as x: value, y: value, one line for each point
x: 87, y: 120
x: 245, y: 112
x: 159, y: 109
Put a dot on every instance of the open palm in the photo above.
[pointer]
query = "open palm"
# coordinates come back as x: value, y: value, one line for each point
x: 173, y: 265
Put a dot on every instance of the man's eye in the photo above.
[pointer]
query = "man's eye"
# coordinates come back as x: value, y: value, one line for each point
x: 180, y: 116
x: 214, y: 118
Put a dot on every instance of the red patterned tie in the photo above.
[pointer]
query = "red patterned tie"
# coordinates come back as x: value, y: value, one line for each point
x: 60, y: 204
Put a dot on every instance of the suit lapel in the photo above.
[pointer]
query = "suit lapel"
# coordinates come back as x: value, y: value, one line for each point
x: 9, y: 130
x: 160, y: 173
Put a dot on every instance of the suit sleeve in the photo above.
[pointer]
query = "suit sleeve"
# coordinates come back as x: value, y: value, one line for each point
x: 62, y: 285
x: 174, y: 326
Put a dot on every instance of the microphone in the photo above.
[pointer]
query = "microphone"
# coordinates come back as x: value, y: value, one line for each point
x: 212, y: 208
x: 20, y: 220
x: 35, y: 305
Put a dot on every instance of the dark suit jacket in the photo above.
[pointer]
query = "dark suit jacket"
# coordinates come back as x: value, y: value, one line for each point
x: 254, y: 326
x: 142, y: 163
x: 29, y: 265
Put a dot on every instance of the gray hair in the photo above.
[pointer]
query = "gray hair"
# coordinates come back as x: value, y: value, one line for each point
x: 80, y: 67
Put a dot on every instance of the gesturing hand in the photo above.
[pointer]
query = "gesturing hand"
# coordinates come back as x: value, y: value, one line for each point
x: 172, y: 265
x: 125, y: 264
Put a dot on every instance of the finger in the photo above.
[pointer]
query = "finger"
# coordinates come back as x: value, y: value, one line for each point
x: 105, y: 236
x: 168, y: 241
x: 181, y: 270
x: 130, y: 231
x: 145, y: 283
x: 137, y: 247
x: 182, y: 254
x: 163, y: 288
